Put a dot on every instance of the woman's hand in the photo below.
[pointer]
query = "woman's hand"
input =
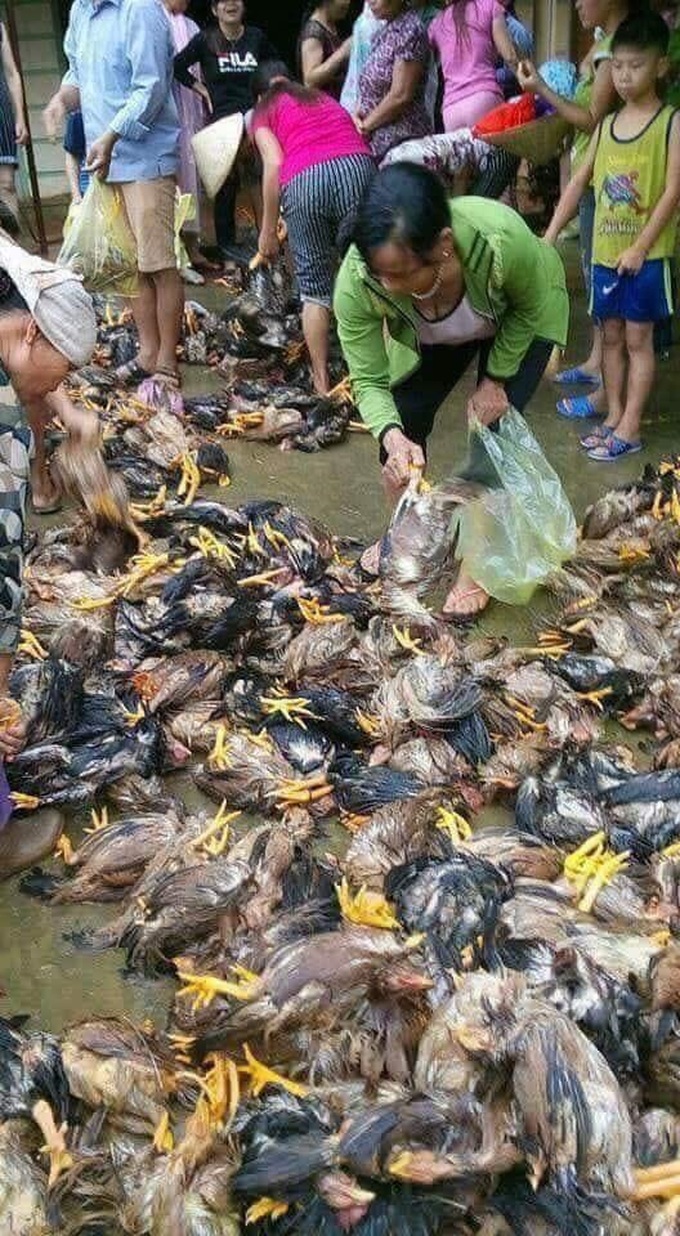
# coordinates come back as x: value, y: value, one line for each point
x: 403, y: 456
x: 201, y: 89
x: 12, y: 728
x: 529, y: 77
x: 21, y: 132
x: 268, y: 244
x: 488, y: 403
x: 359, y: 124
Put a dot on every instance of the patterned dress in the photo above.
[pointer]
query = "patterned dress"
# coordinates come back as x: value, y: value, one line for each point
x: 15, y: 462
x: 403, y: 38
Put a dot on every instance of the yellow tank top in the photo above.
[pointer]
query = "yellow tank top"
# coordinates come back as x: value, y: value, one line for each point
x: 628, y: 178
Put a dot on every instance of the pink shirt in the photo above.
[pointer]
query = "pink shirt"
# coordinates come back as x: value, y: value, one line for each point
x: 310, y: 133
x: 468, y: 60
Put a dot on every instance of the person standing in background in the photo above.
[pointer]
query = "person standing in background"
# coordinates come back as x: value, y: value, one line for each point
x: 323, y: 54
x: 13, y: 133
x: 364, y: 31
x: 594, y: 98
x: 190, y: 112
x: 468, y: 36
x: 132, y: 136
x: 316, y: 170
x: 393, y: 82
x: 228, y: 53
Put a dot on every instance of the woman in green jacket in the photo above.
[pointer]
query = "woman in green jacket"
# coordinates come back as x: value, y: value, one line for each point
x: 428, y: 285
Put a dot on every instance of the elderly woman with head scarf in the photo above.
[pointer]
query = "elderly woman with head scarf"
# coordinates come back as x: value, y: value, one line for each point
x: 47, y: 327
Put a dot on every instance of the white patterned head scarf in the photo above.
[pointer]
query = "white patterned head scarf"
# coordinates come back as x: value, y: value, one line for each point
x: 55, y: 298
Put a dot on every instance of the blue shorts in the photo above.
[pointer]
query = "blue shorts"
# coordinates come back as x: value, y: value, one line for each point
x: 645, y: 297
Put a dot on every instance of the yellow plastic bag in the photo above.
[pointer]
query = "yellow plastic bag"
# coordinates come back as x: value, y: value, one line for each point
x: 521, y: 528
x: 185, y: 209
x: 99, y: 244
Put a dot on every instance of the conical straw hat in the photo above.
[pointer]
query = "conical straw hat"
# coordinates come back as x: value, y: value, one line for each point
x: 215, y: 149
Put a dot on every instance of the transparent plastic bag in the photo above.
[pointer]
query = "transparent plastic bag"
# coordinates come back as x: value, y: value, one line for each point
x: 100, y: 245
x: 521, y: 528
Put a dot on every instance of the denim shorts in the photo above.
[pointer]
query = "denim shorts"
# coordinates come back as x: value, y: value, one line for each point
x: 644, y: 297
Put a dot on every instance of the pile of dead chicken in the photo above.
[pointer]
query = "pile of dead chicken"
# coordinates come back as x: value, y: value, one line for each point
x: 265, y: 393
x: 439, y: 1026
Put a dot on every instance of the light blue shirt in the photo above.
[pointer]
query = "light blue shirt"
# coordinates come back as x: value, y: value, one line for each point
x: 120, y: 57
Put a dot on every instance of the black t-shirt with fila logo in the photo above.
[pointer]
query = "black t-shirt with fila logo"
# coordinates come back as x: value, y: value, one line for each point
x: 227, y: 66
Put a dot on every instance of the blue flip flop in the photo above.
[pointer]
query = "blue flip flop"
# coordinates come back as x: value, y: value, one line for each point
x: 613, y: 448
x: 577, y: 377
x: 580, y: 408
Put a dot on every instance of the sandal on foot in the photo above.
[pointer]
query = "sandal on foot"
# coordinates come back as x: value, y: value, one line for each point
x: 453, y: 615
x: 580, y: 408
x: 162, y: 390
x: 130, y: 374
x: 613, y: 448
x: 577, y: 377
x: 596, y: 437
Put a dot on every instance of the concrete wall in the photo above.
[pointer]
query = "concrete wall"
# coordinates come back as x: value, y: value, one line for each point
x: 41, y: 63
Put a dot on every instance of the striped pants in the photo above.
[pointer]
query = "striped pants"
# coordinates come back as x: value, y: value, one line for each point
x: 315, y: 203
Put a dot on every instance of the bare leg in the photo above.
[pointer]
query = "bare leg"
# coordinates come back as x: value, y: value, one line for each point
x: 641, y: 368
x: 169, y: 306
x: 614, y: 369
x: 146, y: 320
x: 44, y: 493
x: 315, y: 325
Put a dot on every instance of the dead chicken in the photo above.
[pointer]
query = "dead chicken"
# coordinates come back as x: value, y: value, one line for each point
x: 24, y: 1206
x: 124, y: 1069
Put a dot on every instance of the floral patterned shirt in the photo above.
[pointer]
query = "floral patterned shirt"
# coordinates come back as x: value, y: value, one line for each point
x: 403, y: 38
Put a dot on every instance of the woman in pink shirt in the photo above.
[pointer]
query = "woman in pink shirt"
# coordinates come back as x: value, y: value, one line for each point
x: 316, y: 168
x: 468, y: 36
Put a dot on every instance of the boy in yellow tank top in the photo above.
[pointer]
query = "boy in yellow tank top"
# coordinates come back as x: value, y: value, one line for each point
x: 633, y: 164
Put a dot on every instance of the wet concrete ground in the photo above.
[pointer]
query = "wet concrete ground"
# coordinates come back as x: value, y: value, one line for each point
x: 44, y: 975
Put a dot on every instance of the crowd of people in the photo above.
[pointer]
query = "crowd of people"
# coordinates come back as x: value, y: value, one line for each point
x: 420, y: 283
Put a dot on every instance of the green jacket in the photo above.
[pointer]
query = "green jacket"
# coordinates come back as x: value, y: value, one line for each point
x: 510, y: 276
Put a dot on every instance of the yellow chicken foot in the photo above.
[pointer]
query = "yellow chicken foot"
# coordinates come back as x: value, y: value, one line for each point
x: 64, y: 850
x: 163, y: 1140
x: 451, y: 822
x: 55, y: 1141
x: 314, y: 613
x: 217, y: 830
x: 218, y: 757
x: 302, y: 792
x: 203, y: 988
x: 209, y: 546
x: 30, y: 645
x: 292, y: 707
x: 24, y: 802
x: 266, y: 1208
x: 261, y: 1076
x: 610, y: 866
x: 596, y: 697
x: 365, y: 908
x: 264, y: 577
x: 406, y: 641
x: 662, y: 1180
